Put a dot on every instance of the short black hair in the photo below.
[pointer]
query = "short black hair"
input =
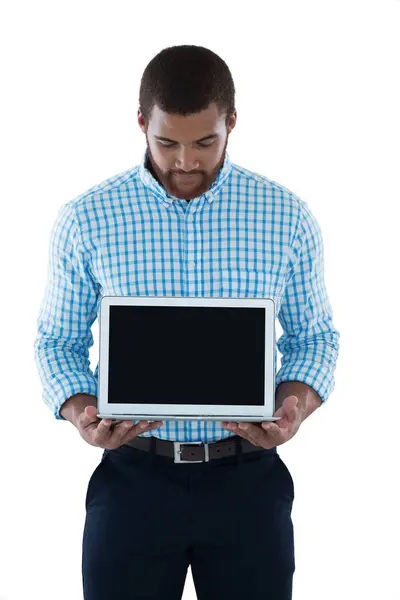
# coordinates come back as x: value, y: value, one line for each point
x: 185, y: 80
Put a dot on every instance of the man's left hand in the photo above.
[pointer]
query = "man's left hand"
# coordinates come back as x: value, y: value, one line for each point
x: 271, y: 433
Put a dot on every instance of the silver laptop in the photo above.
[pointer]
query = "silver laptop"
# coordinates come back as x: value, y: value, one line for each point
x: 177, y: 357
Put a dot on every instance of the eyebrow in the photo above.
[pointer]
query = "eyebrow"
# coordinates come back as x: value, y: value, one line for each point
x: 208, y: 137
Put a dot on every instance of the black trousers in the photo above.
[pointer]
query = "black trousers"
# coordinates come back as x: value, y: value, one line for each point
x: 148, y: 519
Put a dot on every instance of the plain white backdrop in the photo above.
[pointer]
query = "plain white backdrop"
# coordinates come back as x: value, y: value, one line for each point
x: 317, y: 100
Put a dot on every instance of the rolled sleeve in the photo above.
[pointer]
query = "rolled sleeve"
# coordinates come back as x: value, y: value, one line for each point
x: 68, y: 309
x: 310, y: 343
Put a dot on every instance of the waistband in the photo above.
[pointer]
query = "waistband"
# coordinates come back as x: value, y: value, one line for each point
x: 192, y: 452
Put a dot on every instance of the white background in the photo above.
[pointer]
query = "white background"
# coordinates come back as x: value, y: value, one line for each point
x: 317, y: 103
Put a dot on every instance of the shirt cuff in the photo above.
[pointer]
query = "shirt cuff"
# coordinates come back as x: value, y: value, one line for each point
x: 320, y: 380
x: 66, y: 385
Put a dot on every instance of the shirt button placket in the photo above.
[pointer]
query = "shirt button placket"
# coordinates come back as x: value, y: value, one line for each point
x: 190, y: 254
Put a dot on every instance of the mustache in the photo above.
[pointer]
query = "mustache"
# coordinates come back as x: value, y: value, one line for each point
x: 183, y: 173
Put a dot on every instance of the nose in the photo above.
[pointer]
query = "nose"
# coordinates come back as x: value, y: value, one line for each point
x: 186, y: 161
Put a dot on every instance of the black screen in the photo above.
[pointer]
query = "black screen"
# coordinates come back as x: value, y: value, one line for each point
x: 186, y: 355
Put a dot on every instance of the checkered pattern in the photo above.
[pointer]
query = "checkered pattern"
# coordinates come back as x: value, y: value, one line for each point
x: 246, y: 237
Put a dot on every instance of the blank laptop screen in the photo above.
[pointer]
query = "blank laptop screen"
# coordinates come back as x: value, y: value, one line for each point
x: 186, y: 355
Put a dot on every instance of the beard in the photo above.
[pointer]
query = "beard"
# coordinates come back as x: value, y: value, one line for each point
x: 182, y: 191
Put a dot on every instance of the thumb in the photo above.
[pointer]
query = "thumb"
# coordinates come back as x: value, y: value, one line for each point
x: 89, y: 415
x: 290, y: 401
x: 285, y: 410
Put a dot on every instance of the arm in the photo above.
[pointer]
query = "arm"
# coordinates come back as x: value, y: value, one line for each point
x: 68, y: 309
x: 310, y: 342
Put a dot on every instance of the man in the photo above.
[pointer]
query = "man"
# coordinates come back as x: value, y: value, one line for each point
x: 187, y: 222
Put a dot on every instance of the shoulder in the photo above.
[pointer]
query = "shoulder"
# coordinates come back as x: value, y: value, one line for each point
x: 293, y: 209
x: 108, y: 188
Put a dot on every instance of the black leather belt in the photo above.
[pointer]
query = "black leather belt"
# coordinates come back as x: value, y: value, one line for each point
x: 188, y: 452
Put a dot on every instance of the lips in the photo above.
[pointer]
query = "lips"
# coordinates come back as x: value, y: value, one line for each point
x: 186, y: 178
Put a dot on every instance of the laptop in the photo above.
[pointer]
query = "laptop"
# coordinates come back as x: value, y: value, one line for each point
x: 166, y: 358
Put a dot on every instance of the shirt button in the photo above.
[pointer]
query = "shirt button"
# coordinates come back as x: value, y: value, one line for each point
x: 190, y: 217
x: 191, y: 264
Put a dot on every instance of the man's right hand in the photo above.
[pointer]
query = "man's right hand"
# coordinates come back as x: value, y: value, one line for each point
x: 81, y: 410
x: 97, y: 432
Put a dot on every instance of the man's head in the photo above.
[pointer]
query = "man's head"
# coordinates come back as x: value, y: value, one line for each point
x: 186, y: 97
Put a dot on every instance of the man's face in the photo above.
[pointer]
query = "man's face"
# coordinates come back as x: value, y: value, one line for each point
x: 186, y: 153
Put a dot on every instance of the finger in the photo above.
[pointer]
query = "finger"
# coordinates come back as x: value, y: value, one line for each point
x: 127, y: 426
x: 283, y: 421
x: 287, y: 422
x: 117, y: 435
x: 139, y: 428
x: 260, y: 436
x: 275, y: 433
x: 121, y: 427
x: 293, y: 414
x: 128, y: 431
x: 290, y: 408
x: 253, y: 431
x: 234, y: 427
x: 115, y: 424
x: 88, y: 417
x: 246, y: 436
x: 103, y: 432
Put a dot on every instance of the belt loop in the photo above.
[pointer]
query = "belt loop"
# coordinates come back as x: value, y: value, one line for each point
x: 239, y: 450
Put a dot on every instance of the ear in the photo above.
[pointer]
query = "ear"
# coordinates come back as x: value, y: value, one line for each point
x: 232, y: 122
x: 142, y: 122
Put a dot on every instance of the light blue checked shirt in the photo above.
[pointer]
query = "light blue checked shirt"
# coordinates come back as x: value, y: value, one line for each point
x: 245, y: 237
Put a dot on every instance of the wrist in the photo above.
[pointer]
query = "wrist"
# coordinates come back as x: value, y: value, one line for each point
x: 308, y: 399
x: 75, y: 405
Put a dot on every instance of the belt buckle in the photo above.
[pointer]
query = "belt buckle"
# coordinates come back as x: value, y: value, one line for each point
x: 177, y: 452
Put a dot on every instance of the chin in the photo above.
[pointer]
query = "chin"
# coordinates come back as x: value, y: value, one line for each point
x: 183, y: 196
x: 189, y: 195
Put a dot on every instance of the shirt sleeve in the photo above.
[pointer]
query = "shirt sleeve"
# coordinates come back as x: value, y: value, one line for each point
x: 310, y: 343
x: 68, y: 309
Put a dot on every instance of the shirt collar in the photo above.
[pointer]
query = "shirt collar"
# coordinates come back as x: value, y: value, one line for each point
x: 149, y: 181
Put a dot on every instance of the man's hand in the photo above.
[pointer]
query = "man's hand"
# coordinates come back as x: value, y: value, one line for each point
x: 97, y: 432
x: 81, y: 411
x: 268, y: 433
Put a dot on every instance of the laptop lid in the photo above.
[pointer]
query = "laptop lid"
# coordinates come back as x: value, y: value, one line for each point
x: 187, y: 358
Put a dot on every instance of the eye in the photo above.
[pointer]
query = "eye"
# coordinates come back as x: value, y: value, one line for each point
x: 172, y: 144
x: 203, y: 145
